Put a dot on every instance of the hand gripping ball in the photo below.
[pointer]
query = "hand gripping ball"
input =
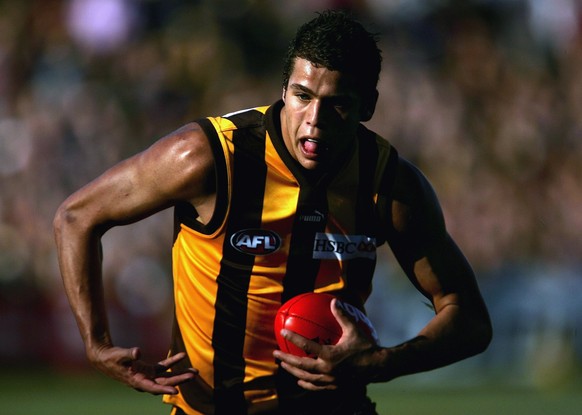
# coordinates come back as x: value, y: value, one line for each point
x: 310, y: 316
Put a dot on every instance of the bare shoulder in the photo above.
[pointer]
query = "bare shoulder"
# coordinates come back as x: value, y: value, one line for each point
x: 177, y: 168
x: 182, y: 162
x: 415, y: 205
x: 411, y: 185
x: 186, y: 146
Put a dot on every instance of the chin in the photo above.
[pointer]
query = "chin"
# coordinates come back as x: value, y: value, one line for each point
x: 310, y: 165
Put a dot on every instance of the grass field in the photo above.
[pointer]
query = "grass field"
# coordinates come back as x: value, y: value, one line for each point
x: 47, y: 393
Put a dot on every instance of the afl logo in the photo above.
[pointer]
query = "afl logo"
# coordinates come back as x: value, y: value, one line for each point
x: 256, y: 241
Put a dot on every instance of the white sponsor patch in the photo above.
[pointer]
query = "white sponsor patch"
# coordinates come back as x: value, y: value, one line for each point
x: 343, y: 247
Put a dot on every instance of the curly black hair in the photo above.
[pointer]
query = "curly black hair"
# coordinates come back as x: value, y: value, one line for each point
x: 338, y: 42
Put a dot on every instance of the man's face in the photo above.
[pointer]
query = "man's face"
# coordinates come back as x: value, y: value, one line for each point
x: 321, y: 115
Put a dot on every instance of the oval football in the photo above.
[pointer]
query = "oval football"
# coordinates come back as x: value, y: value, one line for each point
x: 310, y: 316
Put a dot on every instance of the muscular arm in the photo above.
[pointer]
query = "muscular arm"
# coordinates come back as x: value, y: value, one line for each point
x: 432, y: 261
x: 178, y: 167
x: 436, y: 266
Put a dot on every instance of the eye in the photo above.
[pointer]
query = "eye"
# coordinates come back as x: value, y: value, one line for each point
x: 302, y: 96
x: 342, y: 104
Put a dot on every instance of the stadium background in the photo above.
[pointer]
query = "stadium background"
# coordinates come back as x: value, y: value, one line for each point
x: 485, y: 96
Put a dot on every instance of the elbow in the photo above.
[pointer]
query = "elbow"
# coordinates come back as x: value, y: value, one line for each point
x: 486, y: 336
x: 74, y: 221
x: 70, y: 220
x: 60, y: 218
x: 64, y: 217
x: 482, y: 336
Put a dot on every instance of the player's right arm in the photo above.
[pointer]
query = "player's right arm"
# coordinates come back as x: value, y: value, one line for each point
x: 178, y: 167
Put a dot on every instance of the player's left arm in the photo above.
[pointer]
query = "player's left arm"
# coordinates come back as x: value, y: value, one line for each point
x: 461, y: 326
x: 436, y: 266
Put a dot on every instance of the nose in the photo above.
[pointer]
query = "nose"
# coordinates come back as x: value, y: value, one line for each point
x: 314, y: 113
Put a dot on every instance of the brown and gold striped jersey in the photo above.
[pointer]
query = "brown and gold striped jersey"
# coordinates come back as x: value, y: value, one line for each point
x: 275, y: 233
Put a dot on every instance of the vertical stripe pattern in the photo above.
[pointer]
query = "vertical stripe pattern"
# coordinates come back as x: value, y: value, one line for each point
x: 302, y: 269
x: 235, y: 272
x: 360, y: 270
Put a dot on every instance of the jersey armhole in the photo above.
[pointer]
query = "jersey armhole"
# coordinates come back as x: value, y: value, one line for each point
x: 185, y: 213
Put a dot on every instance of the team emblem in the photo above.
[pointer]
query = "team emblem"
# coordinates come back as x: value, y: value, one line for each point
x: 256, y: 241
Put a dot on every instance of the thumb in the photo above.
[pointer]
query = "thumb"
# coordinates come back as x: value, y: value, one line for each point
x: 344, y: 320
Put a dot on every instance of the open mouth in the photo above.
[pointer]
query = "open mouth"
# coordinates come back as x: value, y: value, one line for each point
x: 312, y: 147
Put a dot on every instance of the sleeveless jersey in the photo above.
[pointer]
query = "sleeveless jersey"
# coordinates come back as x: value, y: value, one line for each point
x: 275, y: 233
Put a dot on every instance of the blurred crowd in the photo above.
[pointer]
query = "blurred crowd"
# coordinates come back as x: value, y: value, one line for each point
x: 485, y: 96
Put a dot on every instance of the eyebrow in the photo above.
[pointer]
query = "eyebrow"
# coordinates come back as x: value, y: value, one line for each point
x: 301, y: 88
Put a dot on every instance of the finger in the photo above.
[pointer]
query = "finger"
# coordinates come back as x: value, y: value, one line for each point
x: 303, y: 364
x: 169, y: 379
x: 310, y: 348
x: 145, y: 384
x: 162, y: 368
x: 172, y: 360
x: 306, y: 374
x: 292, y: 359
x: 309, y: 380
x: 163, y: 383
x: 313, y: 370
x: 313, y: 387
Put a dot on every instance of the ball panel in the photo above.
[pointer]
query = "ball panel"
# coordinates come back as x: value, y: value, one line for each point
x: 310, y: 316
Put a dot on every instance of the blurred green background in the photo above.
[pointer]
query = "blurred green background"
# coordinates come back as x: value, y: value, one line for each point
x: 89, y: 394
x: 485, y: 96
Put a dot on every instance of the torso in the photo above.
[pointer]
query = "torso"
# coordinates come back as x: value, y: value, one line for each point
x: 267, y: 235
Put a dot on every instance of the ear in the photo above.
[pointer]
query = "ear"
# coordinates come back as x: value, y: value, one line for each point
x: 368, y: 107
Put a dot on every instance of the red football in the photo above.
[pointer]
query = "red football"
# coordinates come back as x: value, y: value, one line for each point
x: 310, y: 316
